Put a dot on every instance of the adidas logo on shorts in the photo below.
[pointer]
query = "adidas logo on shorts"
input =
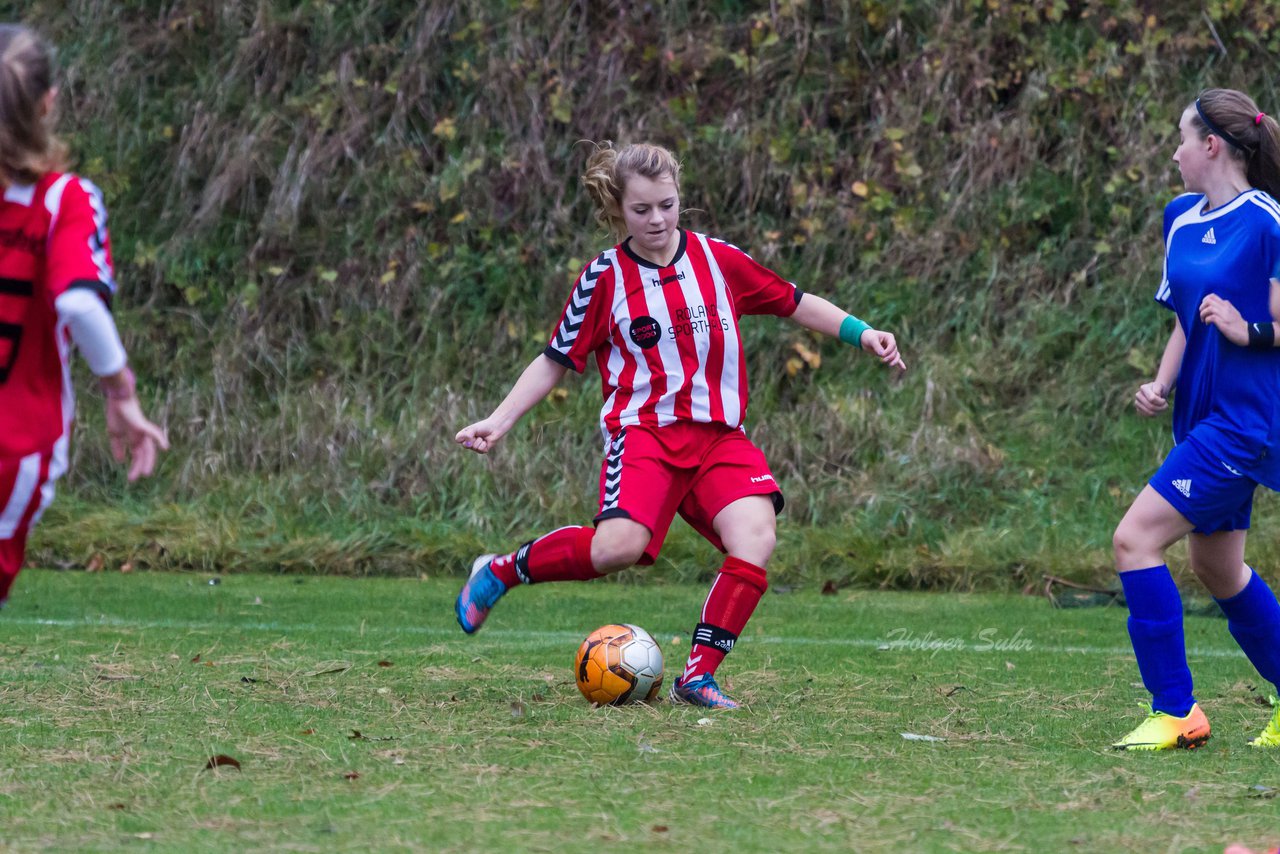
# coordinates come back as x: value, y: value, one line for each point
x: 1183, y: 486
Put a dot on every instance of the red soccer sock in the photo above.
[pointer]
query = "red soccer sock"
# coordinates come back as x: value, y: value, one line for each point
x: 562, y: 555
x: 733, y: 598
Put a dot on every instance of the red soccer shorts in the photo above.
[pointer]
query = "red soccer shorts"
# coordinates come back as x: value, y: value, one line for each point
x: 26, y: 488
x: 695, y: 469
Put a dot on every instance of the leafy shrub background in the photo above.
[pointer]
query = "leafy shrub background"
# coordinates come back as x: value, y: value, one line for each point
x: 342, y: 229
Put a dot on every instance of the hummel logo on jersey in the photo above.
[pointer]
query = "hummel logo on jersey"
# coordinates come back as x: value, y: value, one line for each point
x: 1183, y: 486
x: 1208, y: 236
x: 677, y: 276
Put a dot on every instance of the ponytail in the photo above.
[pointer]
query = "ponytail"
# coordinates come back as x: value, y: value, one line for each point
x: 1264, y: 166
x: 608, y: 170
x: 1252, y: 137
x: 28, y: 147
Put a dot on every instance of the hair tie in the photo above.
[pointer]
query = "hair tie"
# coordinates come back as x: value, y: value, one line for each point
x: 1257, y: 120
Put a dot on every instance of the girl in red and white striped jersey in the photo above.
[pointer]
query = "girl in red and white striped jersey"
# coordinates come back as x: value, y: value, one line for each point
x: 56, y: 286
x: 659, y: 312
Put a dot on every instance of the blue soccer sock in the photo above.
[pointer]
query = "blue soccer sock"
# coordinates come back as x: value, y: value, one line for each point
x: 1253, y: 618
x: 1155, y: 627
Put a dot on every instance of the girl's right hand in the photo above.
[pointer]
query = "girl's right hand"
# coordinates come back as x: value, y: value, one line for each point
x: 481, y: 436
x: 133, y: 436
x: 1151, y: 399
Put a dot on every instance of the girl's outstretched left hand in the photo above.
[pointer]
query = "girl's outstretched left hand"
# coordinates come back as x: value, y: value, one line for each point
x: 883, y: 345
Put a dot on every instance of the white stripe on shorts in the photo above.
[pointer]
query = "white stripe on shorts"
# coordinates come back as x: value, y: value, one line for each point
x: 24, y: 486
x: 59, y: 462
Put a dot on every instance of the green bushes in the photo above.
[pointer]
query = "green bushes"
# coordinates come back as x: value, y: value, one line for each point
x: 343, y: 229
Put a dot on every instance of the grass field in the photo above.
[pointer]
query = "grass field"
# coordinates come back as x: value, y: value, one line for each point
x: 362, y: 718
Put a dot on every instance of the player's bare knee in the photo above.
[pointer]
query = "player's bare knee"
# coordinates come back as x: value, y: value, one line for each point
x: 1206, y: 575
x: 763, y: 542
x: 1124, y: 544
x: 611, y: 554
x: 754, y: 545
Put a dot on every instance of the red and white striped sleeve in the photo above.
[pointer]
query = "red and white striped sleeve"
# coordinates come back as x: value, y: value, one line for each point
x: 584, y: 324
x: 79, y: 248
x: 756, y: 289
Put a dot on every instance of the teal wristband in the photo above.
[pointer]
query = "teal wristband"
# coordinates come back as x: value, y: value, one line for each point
x: 851, y: 331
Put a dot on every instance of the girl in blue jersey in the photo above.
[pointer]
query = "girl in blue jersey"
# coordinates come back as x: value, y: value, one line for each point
x: 1221, y: 263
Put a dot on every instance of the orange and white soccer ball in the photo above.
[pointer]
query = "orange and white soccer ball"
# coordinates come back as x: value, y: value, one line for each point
x: 619, y: 664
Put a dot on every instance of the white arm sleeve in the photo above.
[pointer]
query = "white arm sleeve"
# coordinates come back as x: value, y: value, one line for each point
x: 93, y: 330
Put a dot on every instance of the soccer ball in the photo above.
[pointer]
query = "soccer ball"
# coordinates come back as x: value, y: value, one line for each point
x: 618, y: 664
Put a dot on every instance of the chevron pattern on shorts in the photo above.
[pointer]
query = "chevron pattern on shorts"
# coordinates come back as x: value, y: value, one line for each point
x: 613, y: 472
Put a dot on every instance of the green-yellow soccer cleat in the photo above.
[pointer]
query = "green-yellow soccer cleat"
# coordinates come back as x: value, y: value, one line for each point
x: 1165, y: 732
x: 1271, y: 735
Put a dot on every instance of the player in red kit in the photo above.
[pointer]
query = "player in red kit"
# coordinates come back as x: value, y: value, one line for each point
x: 56, y: 286
x: 659, y: 312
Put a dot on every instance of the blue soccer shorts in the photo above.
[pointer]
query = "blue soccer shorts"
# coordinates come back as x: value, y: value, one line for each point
x: 1211, y: 494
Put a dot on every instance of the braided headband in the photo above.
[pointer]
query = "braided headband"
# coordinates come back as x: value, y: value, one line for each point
x: 1217, y: 131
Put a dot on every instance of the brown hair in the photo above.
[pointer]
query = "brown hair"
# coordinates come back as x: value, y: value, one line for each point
x: 28, y: 147
x: 1252, y: 137
x: 608, y: 170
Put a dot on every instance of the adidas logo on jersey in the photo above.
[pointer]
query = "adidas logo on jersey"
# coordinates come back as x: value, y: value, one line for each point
x: 1208, y: 237
x: 1183, y: 486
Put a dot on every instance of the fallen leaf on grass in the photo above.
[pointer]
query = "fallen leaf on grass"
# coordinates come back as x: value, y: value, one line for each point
x: 115, y: 806
x: 952, y: 690
x: 196, y: 659
x: 357, y: 735
x: 94, y: 563
x: 127, y: 566
x: 352, y: 775
x: 222, y: 760
x: 915, y: 736
x: 384, y: 663
x: 660, y: 828
x: 705, y: 722
x: 308, y: 732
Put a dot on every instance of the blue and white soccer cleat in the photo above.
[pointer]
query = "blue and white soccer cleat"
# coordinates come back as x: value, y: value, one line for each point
x: 703, y: 692
x: 478, y: 595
